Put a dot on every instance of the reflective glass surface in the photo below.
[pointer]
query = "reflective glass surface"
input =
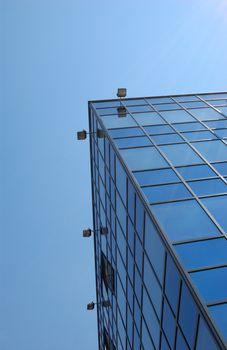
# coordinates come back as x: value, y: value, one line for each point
x: 143, y: 158
x: 184, y: 220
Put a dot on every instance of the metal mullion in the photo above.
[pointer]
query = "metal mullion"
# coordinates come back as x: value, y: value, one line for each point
x: 207, y: 268
x: 158, y: 96
x: 195, y: 240
x: 172, y: 201
x: 200, y: 155
x: 165, y: 240
x: 216, y: 303
x: 177, y: 314
x: 163, y: 299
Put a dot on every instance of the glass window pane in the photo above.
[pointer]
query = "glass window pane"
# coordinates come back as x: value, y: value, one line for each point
x: 181, y: 154
x: 221, y: 168
x: 164, y: 193
x: 143, y: 158
x: 217, y: 124
x: 155, y: 177
x: 205, y: 339
x: 184, y: 220
x: 159, y: 100
x: 217, y: 206
x: 181, y: 344
x: 203, y: 253
x: 167, y: 138
x: 172, y: 284
x: 158, y: 129
x: 114, y: 121
x: 185, y: 98
x: 169, y: 324
x: 188, y: 316
x: 134, y: 101
x: 151, y: 319
x: 153, y: 288
x: 212, y: 150
x: 199, y: 135
x: 189, y: 126
x: 206, y: 187
x: 219, y: 314
x: 221, y: 133
x: 124, y: 132
x: 148, y: 118
x: 211, y: 283
x: 206, y: 114
x: 166, y: 106
x: 140, y: 108
x: 194, y: 104
x: 196, y: 172
x: 154, y: 248
x: 133, y: 142
x: 177, y: 116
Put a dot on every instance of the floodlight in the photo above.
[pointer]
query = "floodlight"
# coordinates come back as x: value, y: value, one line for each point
x: 87, y: 232
x: 103, y: 230
x: 106, y: 303
x: 121, y: 92
x: 121, y: 111
x: 100, y: 133
x: 91, y: 306
x: 82, y: 135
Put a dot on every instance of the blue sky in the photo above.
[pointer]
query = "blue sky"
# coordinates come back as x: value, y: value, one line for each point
x: 55, y: 56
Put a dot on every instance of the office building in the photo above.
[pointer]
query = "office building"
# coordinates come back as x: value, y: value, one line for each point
x: 159, y: 187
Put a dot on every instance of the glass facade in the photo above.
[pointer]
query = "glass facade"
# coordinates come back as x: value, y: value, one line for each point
x: 159, y: 184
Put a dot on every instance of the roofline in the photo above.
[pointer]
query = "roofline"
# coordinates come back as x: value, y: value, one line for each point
x: 159, y: 96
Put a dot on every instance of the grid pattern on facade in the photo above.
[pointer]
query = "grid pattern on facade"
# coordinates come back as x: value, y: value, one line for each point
x: 176, y: 150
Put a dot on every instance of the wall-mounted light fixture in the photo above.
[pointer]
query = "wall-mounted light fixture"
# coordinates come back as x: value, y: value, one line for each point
x: 82, y: 135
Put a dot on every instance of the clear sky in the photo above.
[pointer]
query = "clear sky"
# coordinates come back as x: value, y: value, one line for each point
x: 55, y: 56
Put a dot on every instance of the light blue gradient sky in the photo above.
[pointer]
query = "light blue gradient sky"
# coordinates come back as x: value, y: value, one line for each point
x: 55, y: 56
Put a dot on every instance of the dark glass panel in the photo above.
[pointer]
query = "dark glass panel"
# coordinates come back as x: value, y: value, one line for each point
x: 181, y: 343
x: 205, y: 339
x: 188, y: 316
x: 154, y: 248
x: 169, y: 324
x: 151, y: 319
x: 172, y: 284
x: 153, y: 288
